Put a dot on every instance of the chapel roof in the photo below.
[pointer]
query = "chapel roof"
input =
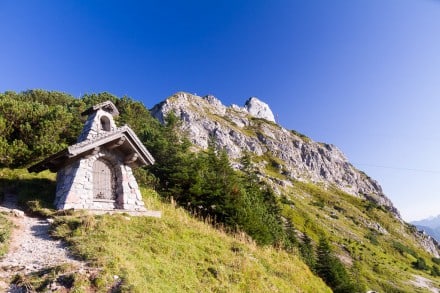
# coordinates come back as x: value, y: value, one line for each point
x: 123, y: 139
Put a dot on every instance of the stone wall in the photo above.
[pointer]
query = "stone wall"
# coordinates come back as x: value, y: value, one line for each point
x: 75, y: 185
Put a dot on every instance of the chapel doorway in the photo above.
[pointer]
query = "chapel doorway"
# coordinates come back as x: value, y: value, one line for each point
x: 104, y: 181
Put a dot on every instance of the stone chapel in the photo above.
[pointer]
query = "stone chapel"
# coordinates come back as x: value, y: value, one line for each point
x: 96, y: 172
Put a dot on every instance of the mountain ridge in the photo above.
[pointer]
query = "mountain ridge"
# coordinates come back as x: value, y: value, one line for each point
x: 430, y: 226
x: 238, y: 130
x: 432, y: 222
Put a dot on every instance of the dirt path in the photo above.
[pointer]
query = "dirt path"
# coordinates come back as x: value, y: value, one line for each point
x: 31, y: 248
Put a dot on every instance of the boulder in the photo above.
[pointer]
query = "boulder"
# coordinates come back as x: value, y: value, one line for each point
x: 259, y: 109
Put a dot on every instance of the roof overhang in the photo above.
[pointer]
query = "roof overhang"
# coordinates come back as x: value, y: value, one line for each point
x: 124, y: 140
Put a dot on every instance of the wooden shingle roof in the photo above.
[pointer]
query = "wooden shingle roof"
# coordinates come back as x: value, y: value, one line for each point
x: 123, y: 139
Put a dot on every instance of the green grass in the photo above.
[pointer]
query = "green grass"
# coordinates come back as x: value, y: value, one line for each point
x: 35, y: 192
x: 175, y: 253
x: 303, y: 137
x: 178, y: 253
x: 5, y: 232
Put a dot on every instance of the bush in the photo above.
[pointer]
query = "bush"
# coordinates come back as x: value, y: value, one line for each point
x: 435, y: 271
x: 436, y: 260
x: 320, y: 204
x: 402, y: 249
x: 420, y: 264
x: 372, y: 236
x: 307, y: 252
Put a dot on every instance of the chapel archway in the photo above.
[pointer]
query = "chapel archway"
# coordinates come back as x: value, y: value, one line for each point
x: 104, y: 181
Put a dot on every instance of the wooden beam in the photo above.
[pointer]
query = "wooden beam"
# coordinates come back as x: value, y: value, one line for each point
x: 117, y: 143
x: 94, y: 152
x: 131, y: 158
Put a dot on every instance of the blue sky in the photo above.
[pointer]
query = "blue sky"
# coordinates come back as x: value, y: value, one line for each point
x: 363, y: 75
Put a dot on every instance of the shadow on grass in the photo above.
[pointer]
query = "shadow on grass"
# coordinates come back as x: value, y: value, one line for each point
x: 30, y: 194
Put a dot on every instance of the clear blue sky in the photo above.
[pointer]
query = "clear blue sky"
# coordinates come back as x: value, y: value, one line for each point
x: 363, y: 75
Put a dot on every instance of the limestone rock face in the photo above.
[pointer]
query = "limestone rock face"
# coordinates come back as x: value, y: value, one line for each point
x: 259, y: 109
x: 239, y: 129
x: 428, y: 243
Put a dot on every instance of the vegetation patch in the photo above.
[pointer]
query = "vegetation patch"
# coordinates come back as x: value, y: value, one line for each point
x: 178, y: 253
x: 5, y: 233
x: 303, y: 137
x: 35, y: 192
x: 316, y: 212
x: 61, y: 278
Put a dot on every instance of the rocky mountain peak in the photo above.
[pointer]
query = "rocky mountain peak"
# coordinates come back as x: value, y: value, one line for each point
x: 283, y: 155
x: 212, y: 100
x: 236, y: 130
x: 259, y: 109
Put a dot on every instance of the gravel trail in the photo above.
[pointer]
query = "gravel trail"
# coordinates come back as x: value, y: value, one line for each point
x: 31, y: 248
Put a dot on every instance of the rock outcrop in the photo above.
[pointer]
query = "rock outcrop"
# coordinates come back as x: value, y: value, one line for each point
x: 252, y: 128
x: 428, y: 243
x: 259, y: 109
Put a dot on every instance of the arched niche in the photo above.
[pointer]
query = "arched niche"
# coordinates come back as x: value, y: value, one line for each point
x: 105, y: 123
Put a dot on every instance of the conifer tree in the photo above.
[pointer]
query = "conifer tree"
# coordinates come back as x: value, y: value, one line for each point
x: 173, y: 160
x: 307, y: 251
x: 332, y: 271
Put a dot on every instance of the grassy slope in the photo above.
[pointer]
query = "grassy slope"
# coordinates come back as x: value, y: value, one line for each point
x: 373, y: 255
x: 350, y: 223
x: 176, y: 253
x: 179, y: 254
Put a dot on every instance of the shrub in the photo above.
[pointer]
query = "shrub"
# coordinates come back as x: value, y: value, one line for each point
x: 402, y: 249
x: 420, y: 264
x: 436, y: 260
x: 372, y: 236
x: 435, y: 271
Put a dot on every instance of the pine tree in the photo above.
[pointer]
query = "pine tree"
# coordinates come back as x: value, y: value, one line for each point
x: 332, y: 271
x: 259, y: 213
x: 173, y: 167
x: 307, y: 251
